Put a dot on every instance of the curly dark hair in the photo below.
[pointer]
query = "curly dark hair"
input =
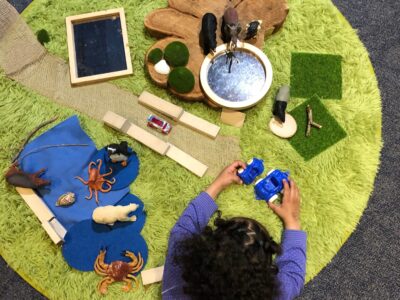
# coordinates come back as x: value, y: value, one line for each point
x: 232, y: 261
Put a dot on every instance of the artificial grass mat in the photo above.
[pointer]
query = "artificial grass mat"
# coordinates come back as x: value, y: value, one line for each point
x: 320, y: 139
x: 313, y: 73
x: 335, y: 185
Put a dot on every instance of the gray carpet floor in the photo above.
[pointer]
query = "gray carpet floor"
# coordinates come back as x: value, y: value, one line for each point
x: 368, y: 265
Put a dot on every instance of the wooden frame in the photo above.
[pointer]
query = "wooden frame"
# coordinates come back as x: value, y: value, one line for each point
x: 230, y: 104
x: 90, y: 17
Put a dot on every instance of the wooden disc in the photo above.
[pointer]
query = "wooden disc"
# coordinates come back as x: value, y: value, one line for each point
x: 283, y: 130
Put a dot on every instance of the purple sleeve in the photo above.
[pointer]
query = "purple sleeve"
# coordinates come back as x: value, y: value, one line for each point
x: 292, y: 264
x: 192, y: 221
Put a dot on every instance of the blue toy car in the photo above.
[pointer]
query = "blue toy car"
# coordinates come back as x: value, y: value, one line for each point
x: 269, y: 187
x: 254, y: 168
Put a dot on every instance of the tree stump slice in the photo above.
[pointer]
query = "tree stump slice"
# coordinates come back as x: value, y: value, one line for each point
x: 181, y: 21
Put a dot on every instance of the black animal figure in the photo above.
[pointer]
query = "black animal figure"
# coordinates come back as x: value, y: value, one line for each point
x: 119, y: 153
x: 208, y: 36
x: 281, y: 101
x: 230, y: 27
x: 252, y: 29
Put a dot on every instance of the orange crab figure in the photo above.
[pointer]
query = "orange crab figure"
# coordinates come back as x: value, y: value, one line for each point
x: 118, y: 271
x: 96, y: 180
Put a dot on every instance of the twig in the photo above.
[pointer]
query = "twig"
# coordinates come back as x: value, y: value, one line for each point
x: 30, y: 136
x: 51, y: 146
x: 310, y: 121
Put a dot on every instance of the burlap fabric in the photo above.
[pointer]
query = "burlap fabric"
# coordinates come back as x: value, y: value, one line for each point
x: 25, y: 60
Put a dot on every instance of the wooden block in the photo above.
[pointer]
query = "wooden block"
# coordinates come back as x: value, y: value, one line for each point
x: 152, y: 275
x: 58, y: 228
x: 199, y: 124
x: 147, y: 139
x: 187, y: 161
x: 233, y: 118
x: 36, y: 204
x: 113, y: 120
x: 167, y: 108
x: 52, y: 233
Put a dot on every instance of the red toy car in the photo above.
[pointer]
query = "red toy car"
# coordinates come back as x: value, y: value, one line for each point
x: 159, y: 124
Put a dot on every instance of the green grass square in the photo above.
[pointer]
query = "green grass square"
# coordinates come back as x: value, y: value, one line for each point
x: 316, y: 74
x: 320, y: 139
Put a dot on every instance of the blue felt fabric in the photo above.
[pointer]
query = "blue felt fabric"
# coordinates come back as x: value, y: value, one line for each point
x: 84, y: 240
x: 124, y: 175
x: 63, y: 164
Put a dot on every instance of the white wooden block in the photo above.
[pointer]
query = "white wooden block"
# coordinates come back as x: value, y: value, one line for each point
x: 147, y: 139
x: 36, y: 204
x: 58, y: 228
x: 187, y: 161
x: 52, y: 233
x: 199, y: 124
x: 167, y: 108
x: 113, y: 120
x: 152, y: 275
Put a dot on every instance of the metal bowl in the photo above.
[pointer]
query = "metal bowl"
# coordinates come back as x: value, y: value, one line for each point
x: 239, y: 82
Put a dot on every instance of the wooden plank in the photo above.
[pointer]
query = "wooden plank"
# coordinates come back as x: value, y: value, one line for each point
x: 52, y: 233
x: 199, y: 124
x: 233, y: 118
x: 187, y: 161
x: 152, y: 275
x: 58, y: 228
x: 113, y: 120
x: 148, y: 139
x: 36, y: 204
x: 167, y: 108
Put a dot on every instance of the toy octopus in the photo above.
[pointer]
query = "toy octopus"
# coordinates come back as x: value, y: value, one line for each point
x: 96, y: 180
x: 118, y: 271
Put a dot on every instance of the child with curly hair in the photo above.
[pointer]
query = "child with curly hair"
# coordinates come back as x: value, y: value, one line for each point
x: 234, y: 260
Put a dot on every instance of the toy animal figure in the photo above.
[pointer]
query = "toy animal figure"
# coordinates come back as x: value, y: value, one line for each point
x: 16, y: 177
x: 96, y: 180
x: 252, y: 29
x: 110, y: 214
x: 118, y: 271
x: 281, y: 101
x: 119, y: 153
x: 208, y: 36
x: 230, y: 27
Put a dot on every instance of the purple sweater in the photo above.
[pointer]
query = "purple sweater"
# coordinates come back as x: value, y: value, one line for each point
x: 291, y: 263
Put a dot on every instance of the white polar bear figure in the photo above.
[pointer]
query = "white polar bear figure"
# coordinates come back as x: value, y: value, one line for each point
x: 109, y: 214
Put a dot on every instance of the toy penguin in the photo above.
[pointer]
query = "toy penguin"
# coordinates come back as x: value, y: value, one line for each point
x: 252, y: 29
x: 208, y: 34
x: 119, y: 153
x: 282, y: 124
x: 281, y: 101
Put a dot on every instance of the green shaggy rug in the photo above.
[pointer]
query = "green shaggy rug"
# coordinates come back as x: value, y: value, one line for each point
x: 335, y: 185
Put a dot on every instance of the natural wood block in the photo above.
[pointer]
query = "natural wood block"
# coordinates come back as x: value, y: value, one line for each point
x: 233, y: 118
x: 152, y: 101
x: 187, y: 161
x: 113, y: 120
x: 52, y: 233
x: 152, y: 275
x: 199, y: 124
x: 147, y: 139
x: 36, y: 204
x: 58, y: 228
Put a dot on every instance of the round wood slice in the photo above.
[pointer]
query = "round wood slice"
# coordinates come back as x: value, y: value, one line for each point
x: 181, y: 21
x: 283, y: 130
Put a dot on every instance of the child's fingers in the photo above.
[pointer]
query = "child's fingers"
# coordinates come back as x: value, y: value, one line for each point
x: 237, y: 164
x: 286, y: 189
x: 275, y: 208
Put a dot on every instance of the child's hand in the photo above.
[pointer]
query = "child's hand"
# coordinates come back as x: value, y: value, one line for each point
x: 289, y: 210
x: 226, y: 178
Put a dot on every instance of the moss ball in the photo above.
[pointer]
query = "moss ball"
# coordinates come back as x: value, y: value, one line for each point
x: 155, y: 55
x: 176, y: 54
x: 181, y: 79
x: 43, y: 36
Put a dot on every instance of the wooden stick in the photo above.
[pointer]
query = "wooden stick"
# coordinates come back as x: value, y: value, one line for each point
x: 310, y: 121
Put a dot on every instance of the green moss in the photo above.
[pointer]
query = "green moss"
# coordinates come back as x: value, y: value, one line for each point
x: 319, y: 74
x: 181, y: 79
x: 176, y: 54
x: 155, y: 55
x: 43, y: 36
x: 320, y: 139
